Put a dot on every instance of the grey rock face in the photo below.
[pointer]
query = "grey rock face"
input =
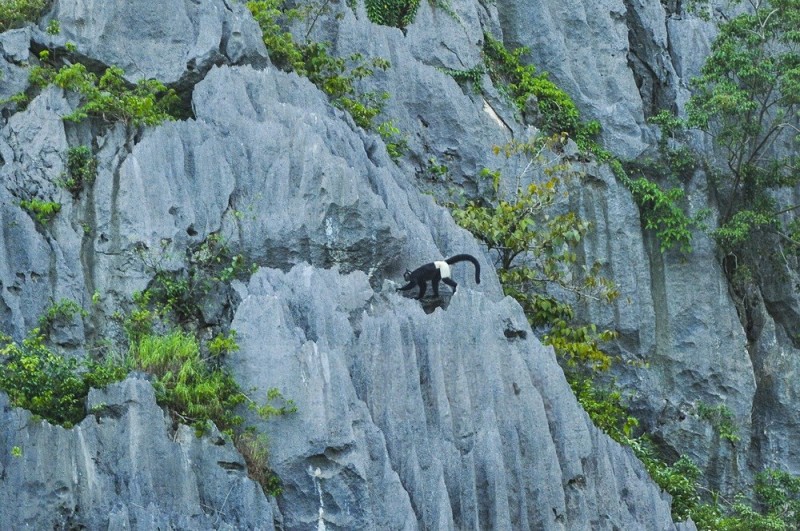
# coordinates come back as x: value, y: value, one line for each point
x: 14, y: 46
x: 175, y: 41
x: 675, y: 316
x: 122, y: 468
x: 591, y: 64
x: 622, y: 61
x: 455, y: 420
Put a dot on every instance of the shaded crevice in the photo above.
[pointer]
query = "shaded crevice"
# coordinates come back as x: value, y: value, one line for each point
x: 650, y: 65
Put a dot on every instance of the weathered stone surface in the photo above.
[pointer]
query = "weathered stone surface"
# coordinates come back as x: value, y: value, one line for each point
x: 447, y: 420
x: 681, y: 342
x: 457, y: 419
x: 122, y: 468
x: 173, y: 41
x: 14, y: 53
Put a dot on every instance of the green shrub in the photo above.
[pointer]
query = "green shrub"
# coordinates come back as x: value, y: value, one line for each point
x: 43, y: 211
x: 535, y: 251
x: 16, y: 13
x: 193, y: 391
x: 254, y: 448
x: 558, y: 111
x: 396, y: 13
x: 182, y: 292
x: 50, y: 385
x: 721, y: 419
x: 59, y: 313
x: 337, y: 77
x: 197, y: 391
x: 111, y: 97
x: 81, y: 169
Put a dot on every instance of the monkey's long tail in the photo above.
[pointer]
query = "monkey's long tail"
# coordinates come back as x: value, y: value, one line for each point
x: 467, y: 257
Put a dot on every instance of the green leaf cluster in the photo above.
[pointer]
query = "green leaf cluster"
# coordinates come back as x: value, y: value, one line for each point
x: 194, y: 391
x: 48, y: 384
x: 721, y: 419
x: 660, y: 210
x: 43, y: 211
x: 59, y: 313
x: 180, y: 293
x: 16, y: 13
x: 396, y: 13
x: 557, y: 110
x: 536, y: 255
x: 336, y: 76
x: 111, y: 98
x: 198, y: 391
x: 81, y: 169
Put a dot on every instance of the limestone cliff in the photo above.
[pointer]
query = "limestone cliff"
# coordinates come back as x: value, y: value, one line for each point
x: 457, y: 419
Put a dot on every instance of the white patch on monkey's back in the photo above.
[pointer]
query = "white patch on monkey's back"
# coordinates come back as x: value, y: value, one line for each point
x: 443, y: 267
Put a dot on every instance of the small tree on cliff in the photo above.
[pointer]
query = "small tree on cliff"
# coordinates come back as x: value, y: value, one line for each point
x: 747, y: 98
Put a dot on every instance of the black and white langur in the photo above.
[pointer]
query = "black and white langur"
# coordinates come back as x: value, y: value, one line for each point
x: 436, y: 271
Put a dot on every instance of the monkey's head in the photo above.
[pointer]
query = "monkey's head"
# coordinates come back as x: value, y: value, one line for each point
x: 407, y: 275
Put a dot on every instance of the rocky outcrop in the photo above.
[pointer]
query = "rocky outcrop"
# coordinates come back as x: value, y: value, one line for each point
x: 123, y: 467
x: 454, y: 419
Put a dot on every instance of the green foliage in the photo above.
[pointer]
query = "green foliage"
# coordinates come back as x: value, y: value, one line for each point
x: 605, y: 406
x: 195, y: 392
x: 558, y: 112
x: 721, y: 419
x: 16, y: 451
x: 660, y: 210
x: 536, y: 254
x: 471, y: 76
x: 284, y: 52
x: 435, y: 171
x: 111, y: 98
x: 778, y: 493
x: 335, y: 76
x: 254, y: 448
x: 397, y: 13
x: 222, y: 344
x: 43, y: 211
x: 747, y: 97
x: 16, y: 13
x: 180, y: 293
x: 48, y: 384
x: 680, y: 479
x: 198, y: 391
x: 396, y: 144
x: 81, y: 169
x: 742, y: 227
x: 53, y: 27
x: 58, y: 313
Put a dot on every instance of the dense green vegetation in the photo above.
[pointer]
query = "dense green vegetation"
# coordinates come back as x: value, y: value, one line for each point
x: 557, y: 111
x: 81, y: 169
x: 397, y: 13
x: 163, y: 330
x: 42, y: 211
x: 110, y: 97
x: 48, y: 384
x: 15, y: 13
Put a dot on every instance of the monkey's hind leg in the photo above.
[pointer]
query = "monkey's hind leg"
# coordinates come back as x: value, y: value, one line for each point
x: 435, y: 284
x: 450, y: 282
